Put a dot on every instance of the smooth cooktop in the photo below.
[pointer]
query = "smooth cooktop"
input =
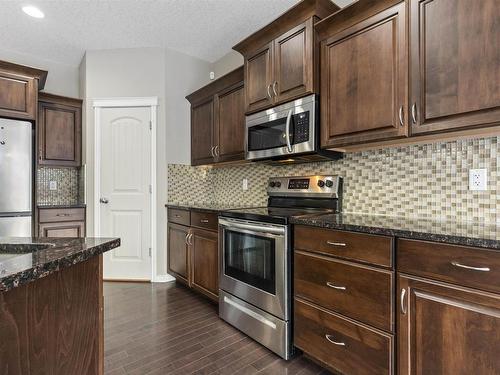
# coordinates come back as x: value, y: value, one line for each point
x: 276, y: 215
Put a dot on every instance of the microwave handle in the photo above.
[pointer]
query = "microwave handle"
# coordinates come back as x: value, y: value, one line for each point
x: 287, y: 131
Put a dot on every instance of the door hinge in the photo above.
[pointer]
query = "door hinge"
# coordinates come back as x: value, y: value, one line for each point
x: 150, y: 189
x: 150, y: 125
x: 150, y: 252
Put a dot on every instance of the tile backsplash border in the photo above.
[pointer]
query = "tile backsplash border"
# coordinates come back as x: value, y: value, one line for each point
x: 417, y: 181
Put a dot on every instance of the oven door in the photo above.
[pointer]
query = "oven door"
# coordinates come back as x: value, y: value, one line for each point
x: 282, y: 131
x: 253, y: 264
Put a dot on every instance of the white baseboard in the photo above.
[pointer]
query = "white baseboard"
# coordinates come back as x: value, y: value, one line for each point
x: 163, y: 278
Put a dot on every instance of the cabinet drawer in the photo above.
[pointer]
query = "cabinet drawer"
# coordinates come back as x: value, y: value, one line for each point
x: 179, y: 216
x: 54, y: 215
x: 71, y: 229
x: 360, y: 247
x: 360, y: 292
x: 467, y: 266
x: 340, y: 343
x: 206, y: 220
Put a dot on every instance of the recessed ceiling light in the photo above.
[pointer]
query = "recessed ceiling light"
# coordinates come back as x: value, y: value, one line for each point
x: 32, y: 11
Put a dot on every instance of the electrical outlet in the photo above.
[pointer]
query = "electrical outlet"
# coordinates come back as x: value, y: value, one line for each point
x: 245, y: 184
x: 52, y: 185
x: 478, y: 179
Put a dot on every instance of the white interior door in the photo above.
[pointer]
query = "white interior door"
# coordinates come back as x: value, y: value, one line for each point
x: 125, y: 191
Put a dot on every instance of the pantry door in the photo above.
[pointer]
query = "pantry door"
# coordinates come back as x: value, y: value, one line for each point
x: 126, y: 191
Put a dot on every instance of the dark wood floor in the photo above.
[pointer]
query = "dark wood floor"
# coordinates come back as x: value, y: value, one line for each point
x: 168, y: 329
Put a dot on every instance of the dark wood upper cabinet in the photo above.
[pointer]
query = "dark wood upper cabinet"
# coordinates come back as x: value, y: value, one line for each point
x: 205, y: 262
x: 258, y: 78
x: 19, y: 87
x: 202, y: 132
x: 455, y: 64
x: 364, y: 79
x: 230, y: 123
x: 281, y: 59
x: 59, y: 131
x: 447, y: 330
x: 218, y: 121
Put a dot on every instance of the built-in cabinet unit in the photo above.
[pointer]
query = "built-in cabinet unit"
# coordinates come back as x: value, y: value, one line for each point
x: 344, y: 299
x: 193, y: 249
x: 449, y: 309
x: 281, y: 59
x: 218, y: 121
x: 424, y: 69
x: 19, y: 87
x: 59, y: 131
x: 61, y: 222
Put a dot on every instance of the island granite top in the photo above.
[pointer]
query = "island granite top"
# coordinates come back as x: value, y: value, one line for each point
x: 24, y: 259
x: 474, y: 234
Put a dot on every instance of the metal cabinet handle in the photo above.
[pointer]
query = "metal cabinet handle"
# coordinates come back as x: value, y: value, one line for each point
x: 414, y: 113
x: 330, y: 338
x: 104, y: 200
x: 186, y: 239
x: 482, y: 269
x: 287, y: 131
x: 205, y: 221
x: 216, y: 150
x: 274, y: 88
x: 336, y: 243
x: 269, y: 91
x: 335, y: 286
x: 403, y: 305
x: 190, y: 240
x: 401, y: 116
x: 212, y: 151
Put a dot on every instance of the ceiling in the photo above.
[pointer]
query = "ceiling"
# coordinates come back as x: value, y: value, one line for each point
x: 206, y: 29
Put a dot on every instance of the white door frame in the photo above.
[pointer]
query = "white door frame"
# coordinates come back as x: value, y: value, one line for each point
x: 98, y: 104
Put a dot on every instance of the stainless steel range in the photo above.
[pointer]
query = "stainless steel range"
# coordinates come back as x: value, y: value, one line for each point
x: 256, y: 257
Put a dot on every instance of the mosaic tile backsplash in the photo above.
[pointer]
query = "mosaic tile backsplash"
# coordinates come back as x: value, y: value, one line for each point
x: 417, y: 181
x: 69, y: 186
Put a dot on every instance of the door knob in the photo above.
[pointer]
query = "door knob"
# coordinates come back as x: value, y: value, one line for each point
x: 104, y: 200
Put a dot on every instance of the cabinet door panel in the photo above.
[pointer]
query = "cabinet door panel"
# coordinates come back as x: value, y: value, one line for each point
x: 205, y: 262
x: 293, y: 63
x: 230, y: 124
x: 66, y: 229
x: 449, y: 331
x: 455, y: 63
x: 18, y: 96
x: 202, y: 133
x: 364, y: 81
x: 59, y: 133
x: 258, y: 78
x: 178, y: 252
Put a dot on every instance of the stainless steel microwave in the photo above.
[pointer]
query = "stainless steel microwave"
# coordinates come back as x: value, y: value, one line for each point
x: 289, y: 131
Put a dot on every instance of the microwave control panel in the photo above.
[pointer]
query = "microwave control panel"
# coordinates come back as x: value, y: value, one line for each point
x: 301, y: 127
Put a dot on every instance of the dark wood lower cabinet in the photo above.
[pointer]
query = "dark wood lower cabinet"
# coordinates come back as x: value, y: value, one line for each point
x: 178, y: 259
x: 61, y: 222
x: 447, y: 330
x: 69, y: 229
x: 205, y: 262
x: 54, y: 325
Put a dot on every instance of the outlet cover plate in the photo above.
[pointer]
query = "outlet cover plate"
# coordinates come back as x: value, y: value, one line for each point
x: 478, y: 179
x: 52, y: 185
x: 244, y: 184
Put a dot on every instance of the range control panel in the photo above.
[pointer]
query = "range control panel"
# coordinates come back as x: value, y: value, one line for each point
x: 309, y: 186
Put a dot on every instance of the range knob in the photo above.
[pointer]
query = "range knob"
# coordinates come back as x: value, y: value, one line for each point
x: 329, y: 183
x: 278, y: 184
x: 321, y: 183
x: 272, y: 184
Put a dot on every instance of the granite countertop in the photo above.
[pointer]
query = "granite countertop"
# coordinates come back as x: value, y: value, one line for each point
x: 76, y: 205
x: 458, y: 233
x: 23, y: 260
x: 208, y: 207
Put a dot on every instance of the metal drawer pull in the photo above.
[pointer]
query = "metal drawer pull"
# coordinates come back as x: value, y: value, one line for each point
x: 335, y: 286
x: 482, y: 269
x: 63, y: 214
x: 403, y: 306
x: 330, y: 338
x: 401, y: 116
x: 177, y: 216
x: 205, y: 221
x: 335, y: 243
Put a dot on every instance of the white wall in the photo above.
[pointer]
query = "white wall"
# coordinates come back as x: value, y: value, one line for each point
x: 139, y: 72
x: 62, y: 79
x: 227, y: 63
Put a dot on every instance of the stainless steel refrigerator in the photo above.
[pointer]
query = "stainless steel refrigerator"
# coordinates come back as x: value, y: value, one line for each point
x: 16, y: 171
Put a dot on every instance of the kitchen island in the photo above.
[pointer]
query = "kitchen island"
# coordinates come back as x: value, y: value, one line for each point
x: 51, y: 305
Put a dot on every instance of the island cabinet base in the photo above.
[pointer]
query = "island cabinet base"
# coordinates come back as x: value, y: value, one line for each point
x: 54, y: 325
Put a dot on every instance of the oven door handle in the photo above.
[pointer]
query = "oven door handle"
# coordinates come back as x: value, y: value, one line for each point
x: 287, y: 130
x: 252, y: 227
